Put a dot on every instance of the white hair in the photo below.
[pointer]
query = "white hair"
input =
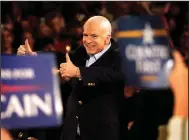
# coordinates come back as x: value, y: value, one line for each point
x: 104, y: 23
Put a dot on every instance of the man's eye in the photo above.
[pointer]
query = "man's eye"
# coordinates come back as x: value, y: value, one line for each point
x: 94, y: 36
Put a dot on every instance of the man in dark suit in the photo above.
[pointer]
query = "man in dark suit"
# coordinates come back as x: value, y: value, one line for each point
x: 94, y: 105
x: 93, y: 108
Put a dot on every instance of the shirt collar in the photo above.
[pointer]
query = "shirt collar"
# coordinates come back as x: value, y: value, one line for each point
x: 98, y: 55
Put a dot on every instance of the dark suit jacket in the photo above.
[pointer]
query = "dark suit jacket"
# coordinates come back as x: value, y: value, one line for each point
x: 96, y: 99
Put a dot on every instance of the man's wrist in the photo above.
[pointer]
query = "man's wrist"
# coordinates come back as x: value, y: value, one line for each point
x: 78, y: 75
x: 31, y: 54
x: 180, y: 110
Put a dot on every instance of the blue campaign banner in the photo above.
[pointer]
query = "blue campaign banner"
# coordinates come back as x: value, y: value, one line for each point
x: 145, y: 50
x: 30, y: 93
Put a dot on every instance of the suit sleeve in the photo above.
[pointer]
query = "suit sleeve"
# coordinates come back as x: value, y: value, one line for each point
x: 102, y: 75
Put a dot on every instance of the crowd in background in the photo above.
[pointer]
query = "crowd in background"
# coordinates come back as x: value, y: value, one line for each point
x: 54, y: 26
x: 51, y: 26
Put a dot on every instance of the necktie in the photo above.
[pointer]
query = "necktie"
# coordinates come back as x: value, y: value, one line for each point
x: 90, y: 61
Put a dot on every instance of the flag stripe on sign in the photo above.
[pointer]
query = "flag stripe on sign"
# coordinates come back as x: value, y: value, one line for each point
x: 139, y: 33
x: 18, y: 88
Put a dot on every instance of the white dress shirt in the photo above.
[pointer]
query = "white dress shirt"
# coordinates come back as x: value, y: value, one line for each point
x: 93, y: 58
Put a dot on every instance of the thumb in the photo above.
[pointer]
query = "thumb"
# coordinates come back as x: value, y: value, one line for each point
x: 68, y: 58
x: 27, y: 46
x: 178, y: 58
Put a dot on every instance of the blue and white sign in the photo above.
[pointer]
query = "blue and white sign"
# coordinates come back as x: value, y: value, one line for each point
x: 30, y: 93
x: 145, y: 50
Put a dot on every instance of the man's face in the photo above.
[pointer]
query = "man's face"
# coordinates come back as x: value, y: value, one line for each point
x: 58, y: 23
x: 94, y: 39
x: 45, y: 30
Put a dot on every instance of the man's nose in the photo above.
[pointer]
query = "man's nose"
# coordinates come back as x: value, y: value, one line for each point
x: 88, y: 40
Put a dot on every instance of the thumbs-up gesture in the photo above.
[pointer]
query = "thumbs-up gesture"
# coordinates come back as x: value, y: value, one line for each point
x: 25, y: 49
x: 68, y: 69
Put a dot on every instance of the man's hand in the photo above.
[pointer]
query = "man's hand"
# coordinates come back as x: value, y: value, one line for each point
x: 130, y: 124
x: 69, y: 70
x: 5, y: 135
x: 179, y: 83
x: 25, y: 49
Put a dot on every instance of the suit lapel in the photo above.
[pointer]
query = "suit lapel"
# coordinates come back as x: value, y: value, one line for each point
x: 104, y: 56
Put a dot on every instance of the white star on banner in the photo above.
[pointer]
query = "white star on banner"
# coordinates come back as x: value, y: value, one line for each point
x: 148, y: 34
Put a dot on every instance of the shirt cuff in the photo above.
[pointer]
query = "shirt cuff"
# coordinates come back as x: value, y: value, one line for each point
x: 177, y: 128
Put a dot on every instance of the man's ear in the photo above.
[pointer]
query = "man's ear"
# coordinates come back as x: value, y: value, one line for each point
x: 107, y: 40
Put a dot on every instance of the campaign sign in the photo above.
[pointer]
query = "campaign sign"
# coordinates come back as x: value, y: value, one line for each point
x: 30, y: 93
x: 145, y: 50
